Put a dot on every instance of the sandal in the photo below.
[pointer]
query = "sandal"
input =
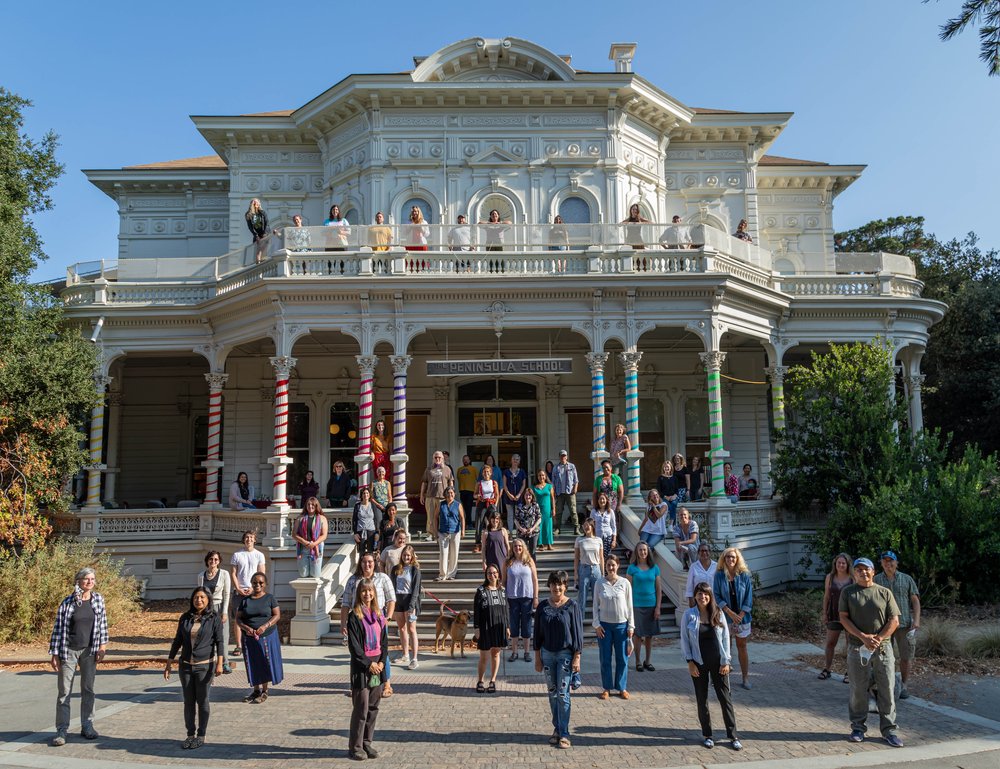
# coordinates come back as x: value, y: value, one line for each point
x: 252, y: 696
x: 845, y: 679
x: 492, y: 688
x: 825, y: 674
x: 480, y: 687
x: 262, y: 698
x: 387, y: 691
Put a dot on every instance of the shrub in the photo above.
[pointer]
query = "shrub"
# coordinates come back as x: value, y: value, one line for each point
x: 938, y: 638
x: 791, y: 613
x: 985, y: 644
x: 32, y: 585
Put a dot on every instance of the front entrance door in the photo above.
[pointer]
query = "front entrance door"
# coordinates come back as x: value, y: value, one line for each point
x: 502, y: 449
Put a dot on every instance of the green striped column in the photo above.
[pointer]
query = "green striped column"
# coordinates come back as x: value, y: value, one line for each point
x: 712, y: 362
x: 777, y: 377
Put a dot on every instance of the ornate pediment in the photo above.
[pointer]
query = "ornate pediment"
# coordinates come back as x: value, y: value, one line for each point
x: 478, y: 59
x: 495, y: 156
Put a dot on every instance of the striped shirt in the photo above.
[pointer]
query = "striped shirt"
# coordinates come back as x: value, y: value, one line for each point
x: 58, y: 643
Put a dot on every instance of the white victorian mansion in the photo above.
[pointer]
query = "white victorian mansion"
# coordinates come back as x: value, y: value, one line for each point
x: 522, y: 335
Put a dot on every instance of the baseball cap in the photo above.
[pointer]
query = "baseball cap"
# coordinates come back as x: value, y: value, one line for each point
x: 864, y: 562
x: 890, y: 554
x: 563, y: 453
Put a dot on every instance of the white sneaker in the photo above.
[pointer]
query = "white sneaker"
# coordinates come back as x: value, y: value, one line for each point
x: 404, y: 660
x: 414, y: 664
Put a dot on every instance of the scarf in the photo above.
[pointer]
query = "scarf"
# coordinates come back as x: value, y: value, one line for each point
x: 311, y: 532
x: 373, y: 623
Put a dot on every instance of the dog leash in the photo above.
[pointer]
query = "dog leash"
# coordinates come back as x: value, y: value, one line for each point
x: 443, y: 603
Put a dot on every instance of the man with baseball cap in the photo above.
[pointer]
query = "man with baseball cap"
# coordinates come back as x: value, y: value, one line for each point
x: 565, y: 484
x: 869, y: 614
x: 904, y: 590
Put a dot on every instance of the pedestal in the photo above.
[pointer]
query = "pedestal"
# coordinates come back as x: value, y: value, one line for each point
x: 311, y: 620
x: 276, y: 530
x: 633, y: 496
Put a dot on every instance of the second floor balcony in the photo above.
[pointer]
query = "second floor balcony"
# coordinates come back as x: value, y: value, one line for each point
x: 482, y: 251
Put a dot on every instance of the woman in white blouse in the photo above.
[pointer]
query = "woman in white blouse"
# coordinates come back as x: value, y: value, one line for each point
x: 702, y: 570
x: 614, y: 622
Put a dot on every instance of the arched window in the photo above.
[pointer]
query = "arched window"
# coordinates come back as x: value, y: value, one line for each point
x: 574, y: 210
x: 499, y: 202
x: 423, y: 205
x: 353, y: 216
x: 784, y: 266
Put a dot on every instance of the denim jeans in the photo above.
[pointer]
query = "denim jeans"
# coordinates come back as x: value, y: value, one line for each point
x: 310, y: 568
x: 67, y: 674
x: 672, y: 507
x: 586, y: 579
x: 521, y: 621
x: 615, y: 640
x: 650, y: 539
x: 557, y: 667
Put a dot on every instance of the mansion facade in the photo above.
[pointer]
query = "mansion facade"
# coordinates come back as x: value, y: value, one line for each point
x: 526, y: 336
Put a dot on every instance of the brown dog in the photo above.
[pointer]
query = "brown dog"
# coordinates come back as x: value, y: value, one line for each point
x: 455, y: 627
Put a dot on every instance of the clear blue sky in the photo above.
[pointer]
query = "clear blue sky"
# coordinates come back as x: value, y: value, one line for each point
x: 869, y: 83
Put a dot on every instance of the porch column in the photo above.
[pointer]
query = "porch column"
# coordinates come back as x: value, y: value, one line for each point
x: 114, y: 436
x: 283, y: 366
x: 712, y: 361
x: 400, y: 363
x: 366, y: 364
x: 96, y: 467
x: 630, y: 361
x: 597, y: 361
x: 777, y: 377
x: 212, y: 464
x: 914, y: 382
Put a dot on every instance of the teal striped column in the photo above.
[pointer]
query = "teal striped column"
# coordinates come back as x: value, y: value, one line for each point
x: 630, y: 362
x: 712, y: 361
x: 777, y: 377
x: 597, y: 361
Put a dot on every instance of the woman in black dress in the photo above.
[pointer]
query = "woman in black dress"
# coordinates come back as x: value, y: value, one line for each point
x: 257, y: 224
x: 202, y: 643
x: 257, y: 617
x: 491, y: 616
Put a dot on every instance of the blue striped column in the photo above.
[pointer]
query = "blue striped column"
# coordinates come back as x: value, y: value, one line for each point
x: 630, y: 362
x: 597, y: 361
x: 713, y: 365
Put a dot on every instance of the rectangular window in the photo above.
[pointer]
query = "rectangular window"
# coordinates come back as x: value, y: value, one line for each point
x: 697, y: 441
x: 298, y: 444
x: 199, y: 475
x: 344, y: 420
x: 489, y: 420
x: 652, y: 440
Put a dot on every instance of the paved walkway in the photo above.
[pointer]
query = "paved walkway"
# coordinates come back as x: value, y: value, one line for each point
x: 437, y: 720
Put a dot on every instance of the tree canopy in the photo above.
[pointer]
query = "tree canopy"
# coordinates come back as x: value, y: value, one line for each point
x: 46, y: 369
x: 986, y: 15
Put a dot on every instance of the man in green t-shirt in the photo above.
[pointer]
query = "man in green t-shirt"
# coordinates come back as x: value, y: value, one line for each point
x: 904, y: 590
x: 869, y: 614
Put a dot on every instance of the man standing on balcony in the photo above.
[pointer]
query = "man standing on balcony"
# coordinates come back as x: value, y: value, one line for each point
x: 565, y: 483
x: 437, y: 478
x: 460, y: 236
x: 677, y: 235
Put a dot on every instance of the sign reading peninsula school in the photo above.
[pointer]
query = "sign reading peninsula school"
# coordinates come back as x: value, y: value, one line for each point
x: 500, y: 367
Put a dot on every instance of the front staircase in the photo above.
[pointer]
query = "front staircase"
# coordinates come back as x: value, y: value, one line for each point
x: 460, y: 592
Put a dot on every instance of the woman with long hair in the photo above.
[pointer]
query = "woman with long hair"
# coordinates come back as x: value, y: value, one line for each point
x: 381, y: 497
x: 682, y: 474
x: 521, y: 585
x: 309, y: 487
x: 605, y: 525
x: 545, y: 496
x: 218, y: 584
x: 647, y: 593
x: 495, y: 230
x: 696, y: 476
x: 839, y: 577
x: 617, y: 448
x: 418, y: 232
x: 733, y: 589
x: 241, y: 493
x: 609, y: 484
x: 653, y: 529
x: 743, y: 231
x: 257, y: 224
x: 388, y: 527
x: 365, y: 521
x: 588, y: 562
x: 614, y: 623
x: 310, y: 534
x: 368, y: 643
x: 381, y: 446
x: 730, y: 482
x: 342, y: 232
x: 705, y: 645
x: 495, y: 542
x: 385, y: 597
x: 528, y: 520
x: 633, y: 227
x: 202, y: 642
x: 407, y: 578
x: 666, y: 487
x: 487, y: 497
x: 490, y: 616
x: 258, y: 616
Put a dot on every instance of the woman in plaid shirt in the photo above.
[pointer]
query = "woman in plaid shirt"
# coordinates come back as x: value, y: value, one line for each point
x: 80, y: 637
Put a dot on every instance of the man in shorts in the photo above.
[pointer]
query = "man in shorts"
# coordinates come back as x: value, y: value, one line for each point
x: 904, y: 590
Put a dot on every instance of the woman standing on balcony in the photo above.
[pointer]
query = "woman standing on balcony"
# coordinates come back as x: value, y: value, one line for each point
x: 633, y: 227
x: 342, y: 232
x: 257, y: 224
x: 733, y: 589
x: 418, y: 231
x: 310, y: 533
x: 743, y: 231
x: 495, y: 231
x: 730, y: 482
x: 241, y: 494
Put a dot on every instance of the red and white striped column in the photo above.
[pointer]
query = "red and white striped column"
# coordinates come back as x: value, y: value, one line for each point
x: 283, y: 366
x: 96, y: 467
x: 400, y: 364
x: 366, y: 365
x: 216, y: 382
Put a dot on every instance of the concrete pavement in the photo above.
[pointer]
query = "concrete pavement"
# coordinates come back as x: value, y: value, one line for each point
x: 789, y: 719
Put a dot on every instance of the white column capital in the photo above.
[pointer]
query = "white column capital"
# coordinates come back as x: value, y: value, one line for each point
x: 101, y: 382
x: 630, y: 360
x: 216, y: 381
x: 597, y: 361
x: 283, y: 365
x: 712, y: 360
x: 776, y: 373
x: 367, y: 363
x: 400, y: 363
x: 915, y: 381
